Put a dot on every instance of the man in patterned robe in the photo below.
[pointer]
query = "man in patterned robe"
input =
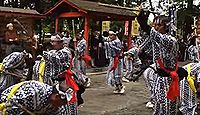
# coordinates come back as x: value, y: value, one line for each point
x: 56, y: 62
x: 114, y: 75
x: 35, y: 98
x: 132, y: 62
x: 192, y: 53
x: 79, y: 64
x: 165, y: 50
x: 16, y: 67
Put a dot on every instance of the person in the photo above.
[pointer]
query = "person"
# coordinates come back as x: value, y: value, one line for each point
x: 33, y: 97
x: 56, y: 60
x: 115, y: 69
x: 107, y: 48
x: 189, y: 89
x: 10, y: 37
x: 10, y: 34
x: 97, y: 50
x: 193, y: 50
x: 16, y: 67
x: 148, y: 67
x: 165, y: 52
x: 52, y: 63
x: 79, y: 63
x: 66, y: 39
x: 149, y: 78
x: 132, y: 63
x: 192, y: 53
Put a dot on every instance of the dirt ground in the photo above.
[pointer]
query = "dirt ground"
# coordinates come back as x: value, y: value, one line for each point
x: 99, y: 99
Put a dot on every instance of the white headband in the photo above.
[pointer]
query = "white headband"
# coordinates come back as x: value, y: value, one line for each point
x: 56, y: 38
x: 112, y: 33
x: 8, y: 25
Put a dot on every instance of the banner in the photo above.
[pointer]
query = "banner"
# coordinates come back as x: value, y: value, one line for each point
x: 126, y: 28
x: 105, y: 26
x: 135, y: 28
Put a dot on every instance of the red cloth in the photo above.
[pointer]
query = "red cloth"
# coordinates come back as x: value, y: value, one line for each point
x: 173, y: 91
x: 70, y: 82
x: 116, y: 61
x: 87, y: 59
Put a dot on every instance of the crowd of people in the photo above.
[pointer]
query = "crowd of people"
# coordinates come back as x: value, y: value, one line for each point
x: 52, y: 80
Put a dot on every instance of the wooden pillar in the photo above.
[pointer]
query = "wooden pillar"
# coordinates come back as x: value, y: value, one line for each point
x: 56, y: 24
x: 129, y: 33
x: 86, y: 32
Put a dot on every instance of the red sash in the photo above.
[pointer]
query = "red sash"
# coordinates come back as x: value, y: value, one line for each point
x: 116, y: 61
x: 173, y: 91
x: 87, y: 59
x: 71, y: 82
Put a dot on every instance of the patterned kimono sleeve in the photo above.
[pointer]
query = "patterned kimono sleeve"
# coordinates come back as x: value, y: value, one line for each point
x: 13, y: 59
x: 158, y: 41
x: 115, y: 45
x: 143, y: 42
x: 63, y: 58
x: 159, y: 38
x: 195, y: 70
x: 81, y: 47
x: 48, y: 55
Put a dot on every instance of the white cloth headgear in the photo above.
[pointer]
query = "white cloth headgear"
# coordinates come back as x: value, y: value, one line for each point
x: 8, y: 25
x: 56, y: 38
x: 112, y: 33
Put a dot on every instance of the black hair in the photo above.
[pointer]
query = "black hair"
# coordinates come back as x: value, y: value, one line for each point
x: 81, y: 32
x: 54, y: 91
x: 105, y: 33
x: 155, y: 18
x: 182, y: 73
x: 165, y: 20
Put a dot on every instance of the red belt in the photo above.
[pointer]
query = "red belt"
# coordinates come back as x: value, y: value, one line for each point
x: 173, y: 91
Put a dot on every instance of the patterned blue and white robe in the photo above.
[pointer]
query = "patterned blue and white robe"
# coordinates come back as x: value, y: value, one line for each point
x: 34, y: 97
x: 133, y: 64
x: 114, y: 77
x: 145, y: 47
x: 188, y: 100
x: 13, y: 63
x: 193, y: 53
x: 149, y: 78
x: 165, y: 47
x: 78, y: 63
x: 56, y: 61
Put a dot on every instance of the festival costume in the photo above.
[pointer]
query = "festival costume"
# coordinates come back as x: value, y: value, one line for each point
x: 48, y: 67
x: 80, y: 62
x: 193, y: 53
x: 29, y: 97
x: 132, y: 62
x: 149, y: 78
x: 115, y: 69
x: 13, y: 64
